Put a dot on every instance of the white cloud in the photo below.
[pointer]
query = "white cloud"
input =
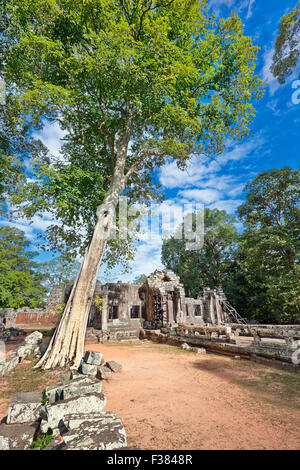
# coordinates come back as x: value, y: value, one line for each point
x: 267, y: 75
x: 203, y: 174
x: 273, y: 105
x: 228, y: 205
x: 37, y: 224
x: 51, y: 135
x: 172, y: 177
x: 238, y: 5
x: 147, y: 259
x: 205, y: 196
x: 249, y: 12
x: 215, y: 183
x: 238, y: 189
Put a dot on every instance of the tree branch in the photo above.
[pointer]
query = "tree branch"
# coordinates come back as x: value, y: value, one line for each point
x: 140, y: 160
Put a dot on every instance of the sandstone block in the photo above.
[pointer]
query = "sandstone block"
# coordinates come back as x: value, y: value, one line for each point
x: 24, y: 408
x: 88, y: 369
x: 95, y: 435
x: 93, y: 357
x: 103, y: 373
x: 114, y: 366
x: 55, y: 413
x: 16, y: 436
x: 34, y: 338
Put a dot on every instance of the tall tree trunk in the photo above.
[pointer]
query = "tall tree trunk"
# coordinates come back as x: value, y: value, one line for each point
x: 67, y: 343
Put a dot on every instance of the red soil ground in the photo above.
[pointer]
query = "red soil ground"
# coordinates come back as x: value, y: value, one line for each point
x: 172, y: 399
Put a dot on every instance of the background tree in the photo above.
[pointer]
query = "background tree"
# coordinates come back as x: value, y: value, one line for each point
x: 20, y: 281
x: 287, y: 47
x: 140, y: 279
x: 131, y: 84
x: 16, y: 142
x: 269, y: 247
x: 60, y: 271
x: 209, y: 266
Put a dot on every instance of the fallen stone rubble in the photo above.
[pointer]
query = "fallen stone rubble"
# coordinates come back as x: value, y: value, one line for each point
x: 73, y: 411
x: 187, y: 347
x: 31, y: 346
x: 6, y: 333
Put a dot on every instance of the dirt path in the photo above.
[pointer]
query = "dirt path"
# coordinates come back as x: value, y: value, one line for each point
x: 172, y: 399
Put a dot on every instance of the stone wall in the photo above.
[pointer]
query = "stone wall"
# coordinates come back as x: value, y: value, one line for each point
x: 277, y: 351
x: 10, y: 317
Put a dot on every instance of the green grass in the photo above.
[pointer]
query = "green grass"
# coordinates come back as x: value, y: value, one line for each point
x: 24, y: 378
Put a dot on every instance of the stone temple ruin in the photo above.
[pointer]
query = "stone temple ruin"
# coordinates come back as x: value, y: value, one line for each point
x: 157, y: 303
x: 158, y: 309
x: 119, y: 307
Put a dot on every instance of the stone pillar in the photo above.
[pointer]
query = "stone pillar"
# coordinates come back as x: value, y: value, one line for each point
x: 104, y: 313
x: 218, y: 311
x: 170, y: 311
x: 211, y: 310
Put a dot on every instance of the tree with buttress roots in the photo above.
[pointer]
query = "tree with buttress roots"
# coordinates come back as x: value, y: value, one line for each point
x: 132, y: 84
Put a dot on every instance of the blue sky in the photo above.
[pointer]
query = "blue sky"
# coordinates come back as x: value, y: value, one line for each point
x: 272, y: 142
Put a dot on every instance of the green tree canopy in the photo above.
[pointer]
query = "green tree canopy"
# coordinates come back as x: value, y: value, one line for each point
x: 269, y: 248
x: 207, y: 267
x: 16, y: 142
x: 287, y: 48
x: 181, y: 81
x: 20, y: 281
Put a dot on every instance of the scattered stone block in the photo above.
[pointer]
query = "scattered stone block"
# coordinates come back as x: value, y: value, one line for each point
x: 185, y: 346
x: 10, y: 363
x: 75, y: 374
x: 103, y: 373
x: 164, y: 331
x: 114, y: 366
x: 88, y: 369
x: 55, y: 413
x: 26, y: 350
x: 95, y: 435
x: 93, y: 357
x: 79, y: 386
x: 24, y: 408
x: 34, y: 338
x: 53, y: 393
x: 199, y: 350
x: 16, y: 436
x: 74, y: 420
